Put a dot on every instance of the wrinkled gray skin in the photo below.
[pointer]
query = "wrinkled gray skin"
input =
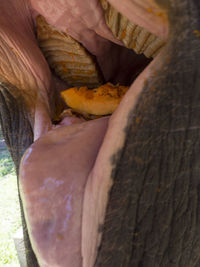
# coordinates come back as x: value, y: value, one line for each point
x: 153, y: 214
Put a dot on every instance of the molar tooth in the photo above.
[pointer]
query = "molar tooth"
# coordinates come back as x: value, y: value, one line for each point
x: 141, y: 40
x: 154, y: 48
x: 133, y: 36
x: 104, y: 4
x: 70, y: 61
x: 148, y: 42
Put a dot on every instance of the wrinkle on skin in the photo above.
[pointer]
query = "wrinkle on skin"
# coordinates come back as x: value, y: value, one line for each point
x: 22, y: 63
x: 100, y: 181
x: 177, y: 82
x: 19, y: 48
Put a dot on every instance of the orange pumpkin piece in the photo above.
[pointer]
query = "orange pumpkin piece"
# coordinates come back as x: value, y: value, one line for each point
x: 99, y: 101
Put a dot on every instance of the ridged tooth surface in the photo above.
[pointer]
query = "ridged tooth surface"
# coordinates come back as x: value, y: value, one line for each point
x: 70, y: 61
x: 133, y: 36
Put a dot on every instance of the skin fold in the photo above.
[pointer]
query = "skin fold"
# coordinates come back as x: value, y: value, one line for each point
x: 152, y: 160
x: 158, y: 165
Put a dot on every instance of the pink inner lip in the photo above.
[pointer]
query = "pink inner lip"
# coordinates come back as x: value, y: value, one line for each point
x: 53, y: 193
x: 65, y: 174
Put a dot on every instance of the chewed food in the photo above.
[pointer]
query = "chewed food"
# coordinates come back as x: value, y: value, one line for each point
x: 99, y: 101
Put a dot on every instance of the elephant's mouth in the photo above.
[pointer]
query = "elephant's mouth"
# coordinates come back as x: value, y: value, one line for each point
x: 66, y: 175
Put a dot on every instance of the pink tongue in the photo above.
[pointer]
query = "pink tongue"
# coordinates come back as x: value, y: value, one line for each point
x: 53, y: 175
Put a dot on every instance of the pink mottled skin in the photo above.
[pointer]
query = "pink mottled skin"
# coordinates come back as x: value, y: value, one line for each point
x: 53, y: 193
x: 65, y: 176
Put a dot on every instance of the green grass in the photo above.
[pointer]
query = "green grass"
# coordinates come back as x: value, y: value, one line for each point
x: 6, y: 164
x: 10, y: 219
